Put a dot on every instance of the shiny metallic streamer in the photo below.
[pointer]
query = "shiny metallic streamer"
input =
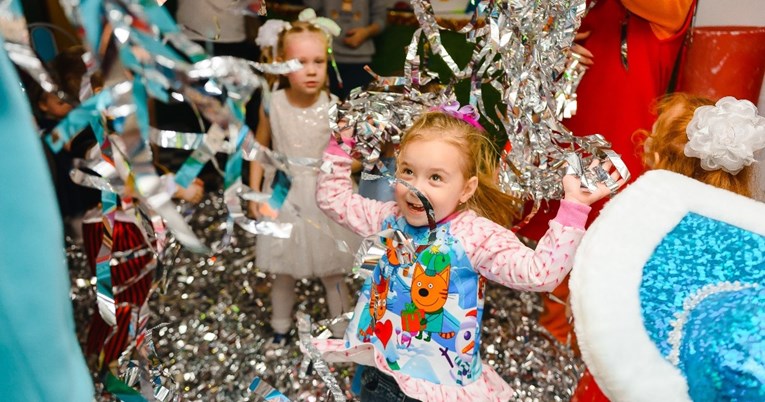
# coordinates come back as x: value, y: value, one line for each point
x: 217, y: 313
x: 277, y: 68
x: 175, y: 139
x: 164, y: 70
x: 214, y: 339
x: 372, y: 249
x: 24, y: 57
x: 263, y: 227
x: 304, y: 333
x: 368, y: 118
x: 15, y: 32
x: 105, y: 179
x: 522, y: 51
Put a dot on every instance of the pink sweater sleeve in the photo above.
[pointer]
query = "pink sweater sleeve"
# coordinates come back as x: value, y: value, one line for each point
x: 501, y: 257
x: 334, y: 196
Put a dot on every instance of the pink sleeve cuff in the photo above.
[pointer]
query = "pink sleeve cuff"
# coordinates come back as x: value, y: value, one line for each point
x: 572, y: 214
x: 333, y: 148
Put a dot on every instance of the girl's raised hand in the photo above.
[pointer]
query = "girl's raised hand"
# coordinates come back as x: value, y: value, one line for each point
x: 574, y: 191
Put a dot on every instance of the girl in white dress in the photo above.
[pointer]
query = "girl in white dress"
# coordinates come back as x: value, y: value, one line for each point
x: 296, y: 124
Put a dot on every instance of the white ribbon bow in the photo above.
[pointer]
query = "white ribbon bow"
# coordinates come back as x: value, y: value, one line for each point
x: 330, y: 27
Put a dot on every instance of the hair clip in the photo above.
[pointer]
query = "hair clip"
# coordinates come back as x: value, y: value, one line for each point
x: 466, y: 113
x: 327, y: 25
x: 268, y: 33
x: 725, y: 136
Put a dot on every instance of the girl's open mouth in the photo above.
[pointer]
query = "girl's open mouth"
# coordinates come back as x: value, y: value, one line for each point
x: 415, y: 208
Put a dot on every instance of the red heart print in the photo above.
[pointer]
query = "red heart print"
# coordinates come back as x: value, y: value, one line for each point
x: 383, y: 331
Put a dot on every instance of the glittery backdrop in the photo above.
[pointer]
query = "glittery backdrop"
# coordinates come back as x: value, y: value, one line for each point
x: 217, y: 311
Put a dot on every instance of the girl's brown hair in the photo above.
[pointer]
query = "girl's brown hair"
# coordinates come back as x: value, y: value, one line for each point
x: 69, y: 68
x: 479, y: 159
x: 266, y: 53
x: 668, y: 141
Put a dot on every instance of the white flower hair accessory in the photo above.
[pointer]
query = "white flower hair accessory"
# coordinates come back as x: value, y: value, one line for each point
x: 725, y: 136
x: 327, y: 25
x: 268, y: 33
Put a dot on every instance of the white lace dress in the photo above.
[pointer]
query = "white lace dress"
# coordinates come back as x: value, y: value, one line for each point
x: 312, y: 250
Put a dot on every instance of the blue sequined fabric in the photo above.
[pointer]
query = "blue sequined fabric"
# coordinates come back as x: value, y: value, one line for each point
x: 699, y: 253
x: 723, y: 348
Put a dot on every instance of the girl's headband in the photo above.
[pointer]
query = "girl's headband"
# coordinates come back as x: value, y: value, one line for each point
x: 268, y: 34
x: 725, y: 136
x: 327, y: 25
x: 466, y: 113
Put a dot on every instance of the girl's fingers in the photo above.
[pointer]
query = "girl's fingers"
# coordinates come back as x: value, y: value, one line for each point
x: 582, y: 35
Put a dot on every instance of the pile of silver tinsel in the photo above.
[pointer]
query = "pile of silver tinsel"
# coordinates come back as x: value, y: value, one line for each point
x: 216, y: 310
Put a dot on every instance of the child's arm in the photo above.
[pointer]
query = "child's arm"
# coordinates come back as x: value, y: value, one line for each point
x: 193, y: 193
x: 502, y: 258
x: 354, y: 37
x: 667, y: 17
x: 334, y: 196
x: 263, y: 137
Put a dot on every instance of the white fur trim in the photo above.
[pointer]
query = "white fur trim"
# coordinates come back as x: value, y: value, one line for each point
x: 608, y: 267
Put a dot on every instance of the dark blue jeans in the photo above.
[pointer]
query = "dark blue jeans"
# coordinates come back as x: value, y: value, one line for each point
x: 377, y: 386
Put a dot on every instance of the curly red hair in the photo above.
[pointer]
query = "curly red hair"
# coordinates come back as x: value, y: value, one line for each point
x: 664, y: 147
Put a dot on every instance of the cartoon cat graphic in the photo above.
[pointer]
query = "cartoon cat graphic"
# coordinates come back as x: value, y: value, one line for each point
x: 378, y: 302
x: 429, y: 291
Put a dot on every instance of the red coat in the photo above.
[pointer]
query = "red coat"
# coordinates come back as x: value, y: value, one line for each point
x: 612, y: 100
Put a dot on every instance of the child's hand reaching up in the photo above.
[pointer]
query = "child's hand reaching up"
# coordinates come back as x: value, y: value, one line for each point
x: 346, y: 131
x: 574, y: 191
x: 193, y: 193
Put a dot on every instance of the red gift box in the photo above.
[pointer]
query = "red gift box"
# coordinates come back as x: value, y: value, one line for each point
x: 411, y: 319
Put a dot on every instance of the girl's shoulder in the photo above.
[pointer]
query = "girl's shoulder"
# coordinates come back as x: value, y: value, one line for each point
x: 470, y: 218
x: 470, y: 224
x: 279, y: 97
x: 274, y: 100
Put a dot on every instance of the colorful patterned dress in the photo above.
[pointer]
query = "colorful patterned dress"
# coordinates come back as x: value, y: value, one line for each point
x: 421, y: 323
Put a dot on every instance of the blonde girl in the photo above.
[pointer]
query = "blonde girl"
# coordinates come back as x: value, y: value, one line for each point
x: 417, y: 325
x: 295, y: 123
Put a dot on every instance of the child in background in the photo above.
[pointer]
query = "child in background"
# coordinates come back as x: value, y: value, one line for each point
x: 297, y: 125
x: 667, y: 147
x: 73, y: 200
x: 418, y: 326
x: 361, y: 21
x: 684, y: 122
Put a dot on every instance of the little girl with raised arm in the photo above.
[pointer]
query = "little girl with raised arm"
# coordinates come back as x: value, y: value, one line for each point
x: 417, y: 324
